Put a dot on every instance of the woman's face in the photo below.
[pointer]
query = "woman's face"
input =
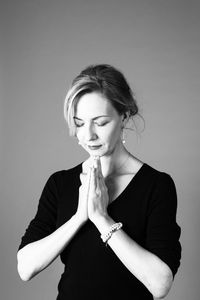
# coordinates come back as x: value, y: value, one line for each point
x: 98, y: 124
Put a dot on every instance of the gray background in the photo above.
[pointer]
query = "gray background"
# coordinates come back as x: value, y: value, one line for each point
x: 44, y: 44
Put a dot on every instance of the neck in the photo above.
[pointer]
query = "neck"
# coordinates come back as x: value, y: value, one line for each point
x: 113, y: 164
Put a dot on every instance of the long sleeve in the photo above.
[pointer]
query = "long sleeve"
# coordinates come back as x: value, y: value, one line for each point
x: 162, y: 236
x: 44, y: 221
x: 147, y: 209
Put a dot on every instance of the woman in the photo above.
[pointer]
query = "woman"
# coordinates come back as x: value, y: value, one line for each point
x: 112, y: 199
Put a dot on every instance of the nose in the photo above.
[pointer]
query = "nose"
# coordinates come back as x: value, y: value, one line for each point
x: 90, y: 133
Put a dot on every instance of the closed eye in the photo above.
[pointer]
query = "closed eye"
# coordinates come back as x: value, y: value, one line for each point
x: 79, y: 124
x: 101, y: 124
x: 98, y: 124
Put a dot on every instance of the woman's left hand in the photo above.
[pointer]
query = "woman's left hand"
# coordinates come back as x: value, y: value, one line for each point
x: 98, y: 198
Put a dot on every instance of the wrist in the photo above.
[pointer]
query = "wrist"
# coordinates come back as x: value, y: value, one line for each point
x: 103, y: 222
x: 79, y: 219
x: 107, y: 235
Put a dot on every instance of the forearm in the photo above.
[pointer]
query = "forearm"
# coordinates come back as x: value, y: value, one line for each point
x: 144, y: 265
x: 36, y: 256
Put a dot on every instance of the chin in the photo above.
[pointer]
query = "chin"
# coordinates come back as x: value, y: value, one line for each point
x: 107, y: 152
x: 99, y: 152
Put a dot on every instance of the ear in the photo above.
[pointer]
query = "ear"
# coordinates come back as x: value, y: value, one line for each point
x: 124, y: 116
x: 125, y: 119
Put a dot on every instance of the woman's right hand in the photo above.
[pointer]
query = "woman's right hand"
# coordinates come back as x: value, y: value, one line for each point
x: 82, y: 210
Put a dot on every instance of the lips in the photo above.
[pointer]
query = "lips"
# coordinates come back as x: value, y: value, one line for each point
x: 94, y: 147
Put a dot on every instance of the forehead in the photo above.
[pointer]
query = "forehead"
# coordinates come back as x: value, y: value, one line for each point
x: 92, y: 105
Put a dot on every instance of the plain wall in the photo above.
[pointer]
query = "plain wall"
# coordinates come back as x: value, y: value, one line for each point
x: 44, y: 44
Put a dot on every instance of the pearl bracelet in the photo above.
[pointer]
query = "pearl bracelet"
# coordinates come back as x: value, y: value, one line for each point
x: 106, y: 236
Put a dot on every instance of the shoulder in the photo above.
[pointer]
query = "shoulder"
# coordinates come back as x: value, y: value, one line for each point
x: 156, y: 176
x: 66, y: 172
x: 162, y: 188
x: 60, y: 177
x: 158, y: 183
x: 148, y: 172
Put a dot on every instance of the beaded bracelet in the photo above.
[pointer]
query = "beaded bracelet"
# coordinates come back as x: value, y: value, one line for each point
x: 106, y: 236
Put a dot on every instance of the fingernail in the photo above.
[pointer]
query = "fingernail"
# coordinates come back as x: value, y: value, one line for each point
x: 95, y: 163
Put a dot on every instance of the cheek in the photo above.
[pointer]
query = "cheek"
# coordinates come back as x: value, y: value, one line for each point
x: 113, y: 135
x: 79, y: 136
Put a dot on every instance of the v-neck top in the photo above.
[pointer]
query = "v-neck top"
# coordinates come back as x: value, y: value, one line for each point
x: 129, y: 183
x: 147, y: 209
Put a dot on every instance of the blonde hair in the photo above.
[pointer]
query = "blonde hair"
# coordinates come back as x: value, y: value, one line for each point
x: 106, y: 80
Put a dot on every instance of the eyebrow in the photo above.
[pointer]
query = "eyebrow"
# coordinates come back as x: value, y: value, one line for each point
x: 92, y: 118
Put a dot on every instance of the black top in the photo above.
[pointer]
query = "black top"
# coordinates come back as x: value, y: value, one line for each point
x: 147, y: 209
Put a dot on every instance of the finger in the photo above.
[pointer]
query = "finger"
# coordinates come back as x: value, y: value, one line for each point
x: 100, y: 184
x: 95, y: 161
x: 87, y: 183
x: 87, y: 164
x: 83, y: 178
x: 88, y: 177
x: 99, y: 175
x: 84, y: 166
x: 99, y: 168
x: 93, y: 181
